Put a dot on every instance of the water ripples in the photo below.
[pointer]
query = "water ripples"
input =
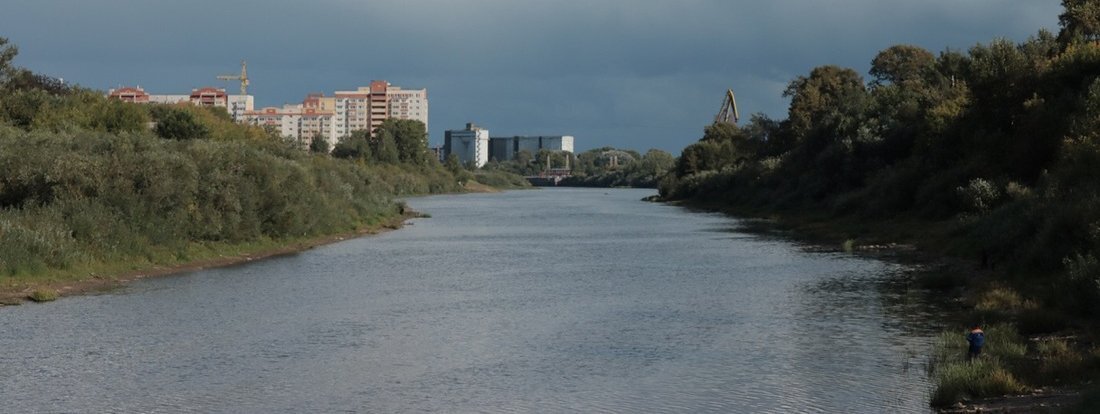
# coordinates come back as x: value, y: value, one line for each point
x: 559, y: 300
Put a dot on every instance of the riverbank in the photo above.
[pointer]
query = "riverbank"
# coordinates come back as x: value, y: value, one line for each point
x: 203, y: 256
x: 1051, y: 357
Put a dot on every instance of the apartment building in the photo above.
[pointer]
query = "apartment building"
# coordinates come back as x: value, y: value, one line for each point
x: 235, y: 105
x: 299, y: 122
x: 366, y: 107
x: 133, y: 94
x: 408, y: 104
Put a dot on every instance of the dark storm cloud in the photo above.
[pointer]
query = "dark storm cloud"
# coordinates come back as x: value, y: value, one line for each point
x: 625, y: 73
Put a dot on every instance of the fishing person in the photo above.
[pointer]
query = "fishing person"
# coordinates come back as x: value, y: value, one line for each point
x: 976, y: 338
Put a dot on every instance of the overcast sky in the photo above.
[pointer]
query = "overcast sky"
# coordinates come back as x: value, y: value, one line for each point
x: 626, y: 73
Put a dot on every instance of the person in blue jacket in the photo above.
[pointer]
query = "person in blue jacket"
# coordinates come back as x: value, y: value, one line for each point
x: 976, y: 338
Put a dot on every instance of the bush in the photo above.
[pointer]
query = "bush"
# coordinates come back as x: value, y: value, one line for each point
x: 69, y: 198
x: 177, y: 123
x: 43, y: 295
x: 980, y: 378
x: 957, y: 378
x: 500, y: 179
x: 979, y: 195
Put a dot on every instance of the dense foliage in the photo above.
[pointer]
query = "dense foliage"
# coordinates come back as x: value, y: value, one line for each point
x: 88, y: 181
x: 611, y: 167
x: 1001, y: 142
x: 600, y: 167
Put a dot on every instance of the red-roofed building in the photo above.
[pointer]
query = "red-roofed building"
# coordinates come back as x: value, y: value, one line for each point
x: 129, y: 94
x: 208, y: 96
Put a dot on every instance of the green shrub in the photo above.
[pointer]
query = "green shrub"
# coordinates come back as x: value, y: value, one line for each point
x: 957, y: 378
x: 43, y: 295
x: 980, y: 378
x: 174, y: 122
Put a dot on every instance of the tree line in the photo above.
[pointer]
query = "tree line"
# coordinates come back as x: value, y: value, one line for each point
x: 1000, y: 143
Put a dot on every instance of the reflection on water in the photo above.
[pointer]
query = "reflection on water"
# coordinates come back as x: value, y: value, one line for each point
x: 560, y: 300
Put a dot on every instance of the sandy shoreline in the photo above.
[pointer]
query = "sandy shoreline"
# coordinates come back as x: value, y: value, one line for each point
x: 96, y: 283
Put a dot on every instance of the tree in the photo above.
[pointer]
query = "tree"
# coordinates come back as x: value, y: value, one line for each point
x: 830, y: 100
x: 453, y: 164
x: 116, y: 116
x: 655, y: 163
x: 177, y: 123
x: 523, y: 160
x: 384, y: 148
x: 767, y: 135
x: 7, y: 54
x: 1080, y: 21
x: 355, y: 146
x: 902, y: 64
x: 22, y: 79
x: 318, y: 145
x: 410, y: 139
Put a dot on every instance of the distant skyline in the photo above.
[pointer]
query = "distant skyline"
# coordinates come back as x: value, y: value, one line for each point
x: 623, y: 73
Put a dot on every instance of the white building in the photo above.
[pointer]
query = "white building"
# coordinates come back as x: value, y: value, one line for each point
x: 367, y: 107
x: 237, y: 105
x: 352, y: 111
x: 408, y: 104
x: 168, y: 99
x: 471, y: 145
x: 296, y: 122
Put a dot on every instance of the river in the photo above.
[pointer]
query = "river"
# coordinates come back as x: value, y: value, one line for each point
x: 554, y: 300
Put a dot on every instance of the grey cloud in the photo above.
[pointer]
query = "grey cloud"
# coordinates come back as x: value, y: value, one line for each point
x: 626, y: 73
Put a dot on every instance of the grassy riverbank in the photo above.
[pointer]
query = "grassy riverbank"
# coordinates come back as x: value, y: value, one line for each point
x: 1038, y: 356
x: 91, y: 194
x: 986, y: 158
x: 95, y: 276
x: 89, y: 205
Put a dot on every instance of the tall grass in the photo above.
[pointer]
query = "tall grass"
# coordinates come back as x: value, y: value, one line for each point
x: 985, y: 377
x: 80, y: 198
x: 958, y: 378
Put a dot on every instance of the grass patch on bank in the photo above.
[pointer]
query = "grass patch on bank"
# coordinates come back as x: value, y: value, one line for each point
x: 43, y: 295
x: 1010, y: 364
x: 958, y: 378
x: 159, y: 258
x: 501, y: 179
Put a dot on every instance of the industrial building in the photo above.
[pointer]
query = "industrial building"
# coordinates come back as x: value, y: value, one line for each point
x: 506, y: 148
x: 471, y: 145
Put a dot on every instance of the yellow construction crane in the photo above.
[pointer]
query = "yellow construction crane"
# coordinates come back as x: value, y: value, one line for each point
x: 243, y: 77
x: 728, y: 113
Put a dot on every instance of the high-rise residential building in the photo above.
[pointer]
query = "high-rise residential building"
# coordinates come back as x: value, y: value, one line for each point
x: 408, y: 104
x: 297, y: 122
x: 471, y: 145
x: 352, y: 109
x: 367, y: 107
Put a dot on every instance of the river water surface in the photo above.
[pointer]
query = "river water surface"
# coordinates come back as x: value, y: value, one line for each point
x: 557, y: 300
